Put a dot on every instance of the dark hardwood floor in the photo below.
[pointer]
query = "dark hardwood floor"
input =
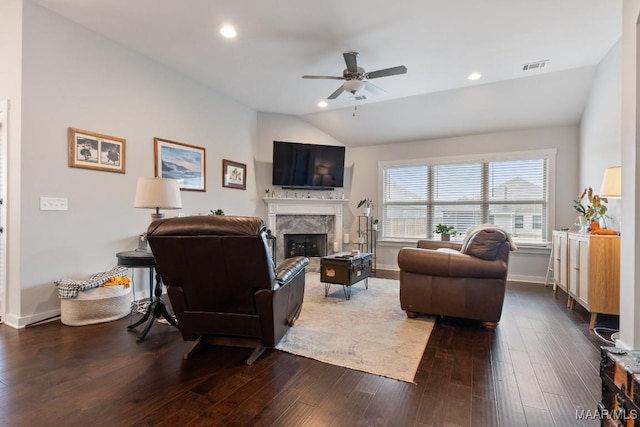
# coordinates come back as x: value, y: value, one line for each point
x: 536, y: 369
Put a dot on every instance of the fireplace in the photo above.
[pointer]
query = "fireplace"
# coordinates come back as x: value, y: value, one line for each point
x: 309, y: 245
x: 306, y: 216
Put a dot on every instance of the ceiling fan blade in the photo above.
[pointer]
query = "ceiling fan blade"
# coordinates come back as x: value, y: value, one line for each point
x: 337, y: 93
x: 323, y: 77
x: 374, y: 89
x: 351, y: 61
x: 400, y: 69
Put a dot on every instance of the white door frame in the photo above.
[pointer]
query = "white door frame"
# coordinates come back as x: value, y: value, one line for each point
x: 4, y: 141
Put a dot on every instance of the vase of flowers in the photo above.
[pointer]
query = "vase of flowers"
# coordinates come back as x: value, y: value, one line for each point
x: 595, y: 209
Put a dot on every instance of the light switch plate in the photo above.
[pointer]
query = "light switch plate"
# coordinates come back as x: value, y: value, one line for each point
x: 54, y: 204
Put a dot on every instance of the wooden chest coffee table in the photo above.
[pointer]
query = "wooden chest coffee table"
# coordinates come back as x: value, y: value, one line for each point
x: 346, y: 270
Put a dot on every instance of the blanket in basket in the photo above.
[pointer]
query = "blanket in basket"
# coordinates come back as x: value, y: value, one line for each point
x: 68, y: 288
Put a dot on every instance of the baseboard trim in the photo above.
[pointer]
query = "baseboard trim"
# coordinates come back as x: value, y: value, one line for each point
x: 22, y: 322
x: 528, y: 279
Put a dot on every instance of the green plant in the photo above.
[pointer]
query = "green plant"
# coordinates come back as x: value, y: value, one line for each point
x: 596, y: 207
x: 446, y: 229
x: 366, y: 203
x: 375, y: 222
x: 217, y: 212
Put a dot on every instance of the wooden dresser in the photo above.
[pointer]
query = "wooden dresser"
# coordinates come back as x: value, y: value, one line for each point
x: 587, y: 267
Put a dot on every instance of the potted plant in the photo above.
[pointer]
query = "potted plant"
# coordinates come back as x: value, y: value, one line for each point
x: 594, y: 211
x: 374, y: 224
x: 366, y: 205
x: 217, y: 212
x: 361, y: 236
x: 445, y: 232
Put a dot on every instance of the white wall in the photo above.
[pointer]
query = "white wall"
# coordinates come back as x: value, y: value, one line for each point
x: 600, y: 129
x: 528, y: 265
x: 630, y: 202
x: 73, y: 77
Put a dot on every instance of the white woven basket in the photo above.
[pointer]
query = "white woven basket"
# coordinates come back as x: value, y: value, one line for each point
x: 96, y: 305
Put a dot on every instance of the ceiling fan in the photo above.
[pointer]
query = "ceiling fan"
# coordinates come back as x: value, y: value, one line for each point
x: 356, y: 78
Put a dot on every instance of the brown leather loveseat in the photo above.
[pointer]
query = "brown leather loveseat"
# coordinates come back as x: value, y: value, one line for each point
x: 222, y: 283
x: 464, y: 280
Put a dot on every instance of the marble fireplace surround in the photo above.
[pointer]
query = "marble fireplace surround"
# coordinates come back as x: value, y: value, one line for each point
x: 306, y: 207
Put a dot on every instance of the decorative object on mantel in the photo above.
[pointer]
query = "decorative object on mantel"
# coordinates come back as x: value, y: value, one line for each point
x: 157, y: 193
x: 366, y: 205
x: 445, y: 232
x: 183, y: 162
x: 91, y: 150
x: 234, y: 175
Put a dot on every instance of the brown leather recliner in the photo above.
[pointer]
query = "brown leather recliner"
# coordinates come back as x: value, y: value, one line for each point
x: 222, y: 283
x: 464, y: 280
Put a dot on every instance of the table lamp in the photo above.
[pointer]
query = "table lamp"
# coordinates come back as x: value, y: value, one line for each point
x: 157, y: 193
x: 611, y: 183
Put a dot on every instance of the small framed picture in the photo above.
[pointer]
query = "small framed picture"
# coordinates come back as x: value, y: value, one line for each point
x: 183, y: 162
x: 234, y: 174
x: 91, y: 150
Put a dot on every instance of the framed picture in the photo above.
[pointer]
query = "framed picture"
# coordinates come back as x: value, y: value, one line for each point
x: 183, y: 162
x: 234, y: 174
x: 91, y: 150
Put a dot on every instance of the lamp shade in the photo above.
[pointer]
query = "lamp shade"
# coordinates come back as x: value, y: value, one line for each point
x: 157, y: 193
x: 611, y: 183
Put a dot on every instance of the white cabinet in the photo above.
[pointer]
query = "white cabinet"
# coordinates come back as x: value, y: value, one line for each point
x: 578, y: 283
x: 593, y: 278
x: 587, y: 268
x: 559, y: 243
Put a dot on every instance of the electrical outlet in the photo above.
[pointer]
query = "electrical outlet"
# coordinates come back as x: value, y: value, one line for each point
x: 54, y: 204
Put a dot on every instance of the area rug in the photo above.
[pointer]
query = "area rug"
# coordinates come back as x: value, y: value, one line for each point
x: 368, y: 333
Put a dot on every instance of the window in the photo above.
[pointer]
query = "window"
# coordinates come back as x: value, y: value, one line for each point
x: 519, y: 221
x: 536, y: 222
x: 510, y: 191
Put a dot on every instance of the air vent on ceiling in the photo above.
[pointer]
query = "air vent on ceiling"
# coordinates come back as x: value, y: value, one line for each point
x: 535, y: 65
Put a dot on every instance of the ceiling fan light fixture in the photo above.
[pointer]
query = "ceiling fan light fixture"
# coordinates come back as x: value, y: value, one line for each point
x: 322, y: 104
x: 353, y: 86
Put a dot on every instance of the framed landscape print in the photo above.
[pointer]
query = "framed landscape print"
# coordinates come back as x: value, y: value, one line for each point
x: 91, y: 150
x: 234, y: 174
x: 183, y: 162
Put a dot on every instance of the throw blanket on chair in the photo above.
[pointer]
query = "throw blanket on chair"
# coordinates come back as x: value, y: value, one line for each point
x: 473, y: 231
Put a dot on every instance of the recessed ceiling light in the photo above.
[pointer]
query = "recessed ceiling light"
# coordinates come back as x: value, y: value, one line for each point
x: 322, y: 104
x: 228, y: 31
x: 474, y: 76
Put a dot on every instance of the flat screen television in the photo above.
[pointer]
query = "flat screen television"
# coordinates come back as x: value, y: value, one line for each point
x: 308, y: 166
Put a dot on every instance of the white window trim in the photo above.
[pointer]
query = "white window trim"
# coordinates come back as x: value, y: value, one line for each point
x: 550, y: 154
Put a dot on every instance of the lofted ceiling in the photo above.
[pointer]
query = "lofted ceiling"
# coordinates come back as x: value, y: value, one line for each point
x: 440, y: 42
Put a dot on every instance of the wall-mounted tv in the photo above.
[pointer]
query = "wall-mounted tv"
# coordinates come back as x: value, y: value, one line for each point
x: 308, y: 166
